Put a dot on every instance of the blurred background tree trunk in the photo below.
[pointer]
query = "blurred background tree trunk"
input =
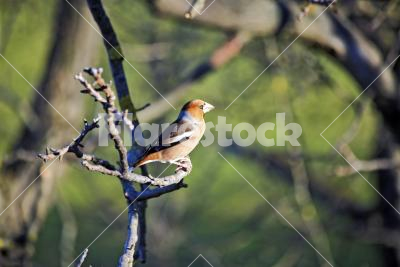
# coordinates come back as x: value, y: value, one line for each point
x: 363, y: 52
x: 389, y: 186
x: 74, y: 44
x: 363, y: 37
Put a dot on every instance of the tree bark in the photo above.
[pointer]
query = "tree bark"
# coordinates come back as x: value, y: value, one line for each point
x: 389, y: 185
x: 73, y: 45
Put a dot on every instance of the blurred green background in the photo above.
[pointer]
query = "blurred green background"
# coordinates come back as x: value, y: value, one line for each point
x: 219, y: 215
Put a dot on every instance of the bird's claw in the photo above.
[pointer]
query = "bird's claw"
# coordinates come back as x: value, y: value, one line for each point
x: 184, y: 165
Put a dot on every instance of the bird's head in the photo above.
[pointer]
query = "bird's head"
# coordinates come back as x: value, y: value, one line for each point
x: 197, y: 108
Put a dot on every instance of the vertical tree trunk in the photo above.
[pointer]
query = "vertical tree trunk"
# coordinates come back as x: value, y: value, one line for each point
x: 73, y: 46
x: 389, y: 186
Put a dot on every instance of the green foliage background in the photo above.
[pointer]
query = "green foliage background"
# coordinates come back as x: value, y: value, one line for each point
x: 219, y: 216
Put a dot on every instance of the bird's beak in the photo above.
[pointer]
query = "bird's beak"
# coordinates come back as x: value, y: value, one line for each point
x: 207, y: 107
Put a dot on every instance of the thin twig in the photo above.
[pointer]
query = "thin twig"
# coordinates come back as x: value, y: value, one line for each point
x: 354, y: 128
x: 301, y: 183
x: 362, y: 165
x: 102, y: 93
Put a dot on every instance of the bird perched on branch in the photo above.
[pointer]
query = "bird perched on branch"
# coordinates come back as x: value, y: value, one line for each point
x: 180, y: 138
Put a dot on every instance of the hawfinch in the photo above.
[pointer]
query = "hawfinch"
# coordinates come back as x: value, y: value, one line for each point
x: 180, y: 138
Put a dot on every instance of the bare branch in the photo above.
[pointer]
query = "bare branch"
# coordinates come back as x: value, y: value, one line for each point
x: 103, y: 94
x: 100, y: 169
x: 133, y: 177
x: 383, y: 15
x: 89, y: 89
x: 141, y: 252
x: 52, y: 153
x: 108, y: 104
x: 115, y: 58
x: 127, y: 258
x: 362, y: 165
x: 352, y: 131
x: 156, y: 192
x: 321, y: 2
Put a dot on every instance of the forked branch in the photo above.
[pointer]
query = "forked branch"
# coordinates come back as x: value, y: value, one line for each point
x: 102, y: 93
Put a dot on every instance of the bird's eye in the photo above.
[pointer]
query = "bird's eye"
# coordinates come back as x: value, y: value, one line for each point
x: 202, y: 106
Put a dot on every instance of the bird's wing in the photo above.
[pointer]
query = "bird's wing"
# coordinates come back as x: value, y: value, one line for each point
x: 175, y: 135
x: 177, y: 132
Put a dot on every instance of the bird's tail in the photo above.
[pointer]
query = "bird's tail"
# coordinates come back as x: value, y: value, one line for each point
x: 147, y: 159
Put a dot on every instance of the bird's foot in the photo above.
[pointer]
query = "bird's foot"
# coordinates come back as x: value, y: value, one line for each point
x: 184, y: 165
